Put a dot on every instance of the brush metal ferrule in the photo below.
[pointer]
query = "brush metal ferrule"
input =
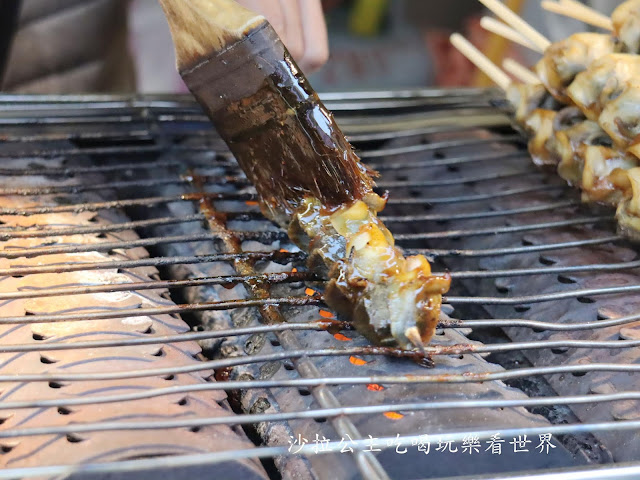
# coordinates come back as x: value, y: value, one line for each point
x: 283, y: 137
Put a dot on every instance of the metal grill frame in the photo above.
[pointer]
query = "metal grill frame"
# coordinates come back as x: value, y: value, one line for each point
x: 387, y: 116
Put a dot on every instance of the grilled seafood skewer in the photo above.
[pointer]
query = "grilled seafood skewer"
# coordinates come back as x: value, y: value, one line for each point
x: 307, y: 175
x: 562, y: 136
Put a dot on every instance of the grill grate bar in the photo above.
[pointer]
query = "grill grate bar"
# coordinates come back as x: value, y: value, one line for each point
x: 241, y: 180
x: 293, y: 277
x: 420, y: 148
x: 314, y: 382
x: 539, y: 325
x: 50, y: 171
x: 114, y: 227
x: 278, y: 257
x: 516, y: 272
x: 466, y: 377
x: 544, y: 297
x: 334, y: 325
x: 185, y: 102
x: 411, y: 132
x: 252, y: 196
x: 473, y: 198
x: 489, y: 252
x: 102, y: 151
x: 629, y: 470
x: 273, y: 278
x: 150, y: 311
x: 215, y: 364
x: 79, y: 188
x: 618, y: 471
x: 153, y: 201
x: 456, y: 180
x: 477, y: 215
x: 262, y: 236
x: 431, y: 163
x: 308, y: 300
x: 92, y: 206
x: 242, y: 235
x: 429, y: 350
x: 166, y: 339
x: 509, y: 229
x: 257, y: 418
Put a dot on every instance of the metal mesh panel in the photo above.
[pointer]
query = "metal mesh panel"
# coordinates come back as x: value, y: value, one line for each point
x: 129, y: 211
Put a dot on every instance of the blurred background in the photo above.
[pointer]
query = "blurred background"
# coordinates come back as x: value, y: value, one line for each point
x: 73, y: 46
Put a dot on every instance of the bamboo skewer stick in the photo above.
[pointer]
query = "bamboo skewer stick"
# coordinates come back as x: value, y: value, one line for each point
x: 480, y: 60
x: 497, y: 27
x: 592, y: 12
x: 517, y: 23
x: 495, y: 47
x: 568, y: 8
x: 519, y: 71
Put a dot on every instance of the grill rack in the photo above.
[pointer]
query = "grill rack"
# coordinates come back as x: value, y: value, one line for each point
x: 71, y: 127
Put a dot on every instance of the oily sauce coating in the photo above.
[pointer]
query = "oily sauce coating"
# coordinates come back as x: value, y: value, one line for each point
x: 390, y: 299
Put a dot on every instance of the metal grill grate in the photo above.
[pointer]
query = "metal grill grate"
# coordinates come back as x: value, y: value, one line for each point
x: 134, y: 205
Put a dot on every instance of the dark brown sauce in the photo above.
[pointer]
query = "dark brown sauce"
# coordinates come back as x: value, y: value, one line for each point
x: 223, y: 374
x: 284, y: 138
x: 333, y: 326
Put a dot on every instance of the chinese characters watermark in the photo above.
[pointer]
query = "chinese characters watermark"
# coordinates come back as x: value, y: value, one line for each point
x: 471, y: 444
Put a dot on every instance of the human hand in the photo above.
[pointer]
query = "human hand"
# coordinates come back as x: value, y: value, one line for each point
x: 301, y: 26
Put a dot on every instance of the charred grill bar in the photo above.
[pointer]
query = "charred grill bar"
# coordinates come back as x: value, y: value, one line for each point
x: 543, y: 336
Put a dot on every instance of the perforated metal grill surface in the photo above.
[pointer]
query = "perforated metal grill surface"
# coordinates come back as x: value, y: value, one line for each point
x: 126, y: 222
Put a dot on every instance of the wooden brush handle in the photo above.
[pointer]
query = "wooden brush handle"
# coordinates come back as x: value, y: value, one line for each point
x: 200, y: 28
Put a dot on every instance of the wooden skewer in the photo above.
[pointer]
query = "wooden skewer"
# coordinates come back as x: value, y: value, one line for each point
x: 584, y: 14
x: 495, y: 47
x: 605, y: 22
x: 517, y: 23
x: 578, y: 12
x: 480, y: 60
x: 495, y: 26
x: 519, y: 71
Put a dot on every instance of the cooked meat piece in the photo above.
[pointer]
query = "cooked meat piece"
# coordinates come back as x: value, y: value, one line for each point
x: 571, y: 144
x: 620, y: 118
x: 392, y: 300
x: 524, y: 98
x: 628, y: 212
x: 544, y: 125
x: 626, y: 26
x: 603, y: 81
x: 540, y: 126
x: 604, y: 177
x: 563, y: 60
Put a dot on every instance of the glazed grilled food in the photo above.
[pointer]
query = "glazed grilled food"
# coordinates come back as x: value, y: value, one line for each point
x: 324, y: 196
x: 308, y: 178
x: 582, y: 151
x: 392, y: 300
x: 591, y: 132
x: 603, y: 81
x: 563, y: 60
x: 628, y: 212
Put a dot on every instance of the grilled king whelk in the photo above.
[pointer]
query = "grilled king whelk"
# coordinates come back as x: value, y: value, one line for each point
x: 307, y: 176
x: 563, y: 60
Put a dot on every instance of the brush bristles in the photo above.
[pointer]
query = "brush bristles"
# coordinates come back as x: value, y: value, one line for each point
x: 202, y: 27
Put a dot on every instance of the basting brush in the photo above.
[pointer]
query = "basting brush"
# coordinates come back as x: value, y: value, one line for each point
x: 305, y: 171
x: 283, y: 137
